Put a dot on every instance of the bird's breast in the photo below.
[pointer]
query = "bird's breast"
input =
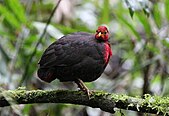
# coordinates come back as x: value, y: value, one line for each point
x: 107, y: 52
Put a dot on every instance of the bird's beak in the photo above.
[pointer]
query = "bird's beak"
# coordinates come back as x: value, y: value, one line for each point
x: 99, y: 34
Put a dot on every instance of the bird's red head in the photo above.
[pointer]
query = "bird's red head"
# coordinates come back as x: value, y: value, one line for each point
x: 102, y: 33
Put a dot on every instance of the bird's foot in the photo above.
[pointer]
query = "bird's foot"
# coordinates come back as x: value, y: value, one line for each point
x: 88, y: 92
x: 83, y: 87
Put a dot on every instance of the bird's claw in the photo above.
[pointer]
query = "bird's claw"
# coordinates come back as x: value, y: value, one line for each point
x: 83, y: 87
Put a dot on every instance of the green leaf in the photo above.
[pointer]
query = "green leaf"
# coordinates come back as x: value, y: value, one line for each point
x: 26, y: 109
x: 131, y: 12
x: 129, y: 26
x: 18, y: 10
x: 66, y: 30
x: 105, y: 13
x: 152, y: 48
x: 166, y: 42
x: 145, y: 4
x: 9, y: 16
x: 157, y: 15
x: 145, y: 22
x: 167, y: 9
x: 146, y: 12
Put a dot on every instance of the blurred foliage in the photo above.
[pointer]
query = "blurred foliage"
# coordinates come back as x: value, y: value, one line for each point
x: 139, y: 37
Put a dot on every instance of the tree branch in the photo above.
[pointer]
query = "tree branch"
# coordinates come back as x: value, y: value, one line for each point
x: 105, y: 101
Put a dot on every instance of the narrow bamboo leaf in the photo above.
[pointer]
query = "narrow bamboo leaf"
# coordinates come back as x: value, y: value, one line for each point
x: 145, y: 6
x: 145, y: 22
x: 129, y: 26
x: 131, y: 12
x: 18, y: 10
x: 67, y: 30
x: 105, y: 13
x: 10, y: 18
x: 167, y: 9
x: 147, y: 13
x: 157, y: 15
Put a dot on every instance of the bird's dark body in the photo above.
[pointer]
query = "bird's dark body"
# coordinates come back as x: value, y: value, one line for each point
x: 77, y: 55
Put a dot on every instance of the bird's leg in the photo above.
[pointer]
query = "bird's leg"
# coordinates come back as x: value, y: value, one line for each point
x: 82, y: 86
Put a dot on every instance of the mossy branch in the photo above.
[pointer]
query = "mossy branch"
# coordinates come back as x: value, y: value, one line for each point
x: 105, y: 101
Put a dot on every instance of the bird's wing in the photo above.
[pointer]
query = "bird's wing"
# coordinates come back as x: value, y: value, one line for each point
x: 67, y: 51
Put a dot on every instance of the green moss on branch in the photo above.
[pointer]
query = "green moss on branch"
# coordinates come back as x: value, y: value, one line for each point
x: 105, y: 101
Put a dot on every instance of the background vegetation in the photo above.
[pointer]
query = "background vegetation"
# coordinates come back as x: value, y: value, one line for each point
x: 139, y: 37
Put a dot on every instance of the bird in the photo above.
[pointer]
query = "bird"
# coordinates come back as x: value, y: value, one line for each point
x: 77, y: 57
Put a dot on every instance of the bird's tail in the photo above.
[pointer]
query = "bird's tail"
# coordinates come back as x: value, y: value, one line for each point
x: 46, y: 74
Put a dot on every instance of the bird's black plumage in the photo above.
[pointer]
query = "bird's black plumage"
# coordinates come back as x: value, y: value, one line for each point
x: 77, y: 55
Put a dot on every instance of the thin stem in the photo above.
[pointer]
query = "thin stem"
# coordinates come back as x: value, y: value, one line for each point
x: 26, y: 70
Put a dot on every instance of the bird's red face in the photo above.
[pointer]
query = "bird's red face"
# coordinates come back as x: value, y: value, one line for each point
x: 102, y: 33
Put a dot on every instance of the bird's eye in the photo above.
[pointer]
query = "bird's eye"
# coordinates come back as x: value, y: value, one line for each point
x: 105, y: 32
x: 96, y: 31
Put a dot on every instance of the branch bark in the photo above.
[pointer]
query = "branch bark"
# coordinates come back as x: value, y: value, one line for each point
x: 105, y: 101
